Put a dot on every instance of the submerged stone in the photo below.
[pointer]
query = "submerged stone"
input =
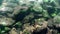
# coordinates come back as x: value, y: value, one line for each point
x: 6, y: 21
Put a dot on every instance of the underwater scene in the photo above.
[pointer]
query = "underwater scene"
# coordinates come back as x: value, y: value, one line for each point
x: 29, y: 16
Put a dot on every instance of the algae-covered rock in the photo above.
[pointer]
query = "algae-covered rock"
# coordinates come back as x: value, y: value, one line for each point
x: 57, y: 19
x: 29, y: 16
x: 6, y: 21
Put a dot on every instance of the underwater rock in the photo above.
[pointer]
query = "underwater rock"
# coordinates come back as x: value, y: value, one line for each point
x: 6, y: 21
x: 57, y: 19
x: 13, y: 31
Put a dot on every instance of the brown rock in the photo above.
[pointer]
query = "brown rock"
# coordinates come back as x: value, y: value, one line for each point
x: 13, y: 31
